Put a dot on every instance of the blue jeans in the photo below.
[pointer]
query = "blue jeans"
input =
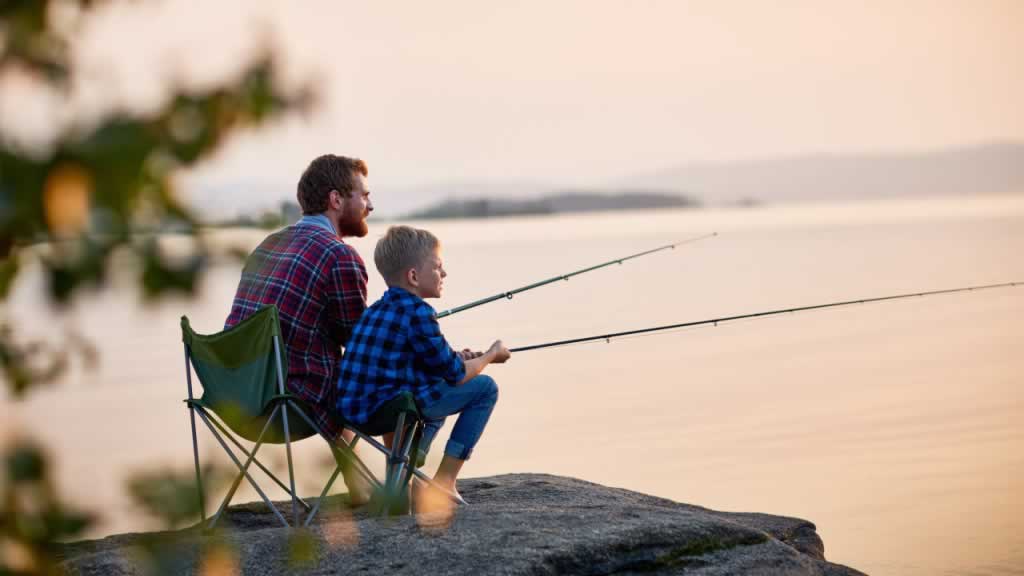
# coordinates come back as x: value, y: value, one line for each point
x: 473, y: 402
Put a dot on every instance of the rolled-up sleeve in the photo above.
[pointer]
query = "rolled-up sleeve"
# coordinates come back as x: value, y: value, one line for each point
x: 433, y: 353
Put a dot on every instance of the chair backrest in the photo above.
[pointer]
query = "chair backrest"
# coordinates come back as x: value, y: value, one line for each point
x: 238, y: 368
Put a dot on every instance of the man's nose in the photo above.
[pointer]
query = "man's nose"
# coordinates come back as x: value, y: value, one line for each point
x: 369, y: 205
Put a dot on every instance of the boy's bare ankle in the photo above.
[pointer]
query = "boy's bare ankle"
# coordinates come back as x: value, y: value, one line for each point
x: 445, y: 482
x: 434, y: 499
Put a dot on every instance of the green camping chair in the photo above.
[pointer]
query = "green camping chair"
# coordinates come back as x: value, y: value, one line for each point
x: 401, y: 417
x: 242, y: 373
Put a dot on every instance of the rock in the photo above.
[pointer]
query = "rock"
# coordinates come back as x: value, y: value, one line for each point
x: 515, y: 524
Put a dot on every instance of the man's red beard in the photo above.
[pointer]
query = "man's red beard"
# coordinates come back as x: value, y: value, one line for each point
x: 351, y: 224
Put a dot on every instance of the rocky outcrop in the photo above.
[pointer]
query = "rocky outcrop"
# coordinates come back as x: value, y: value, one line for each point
x: 515, y: 524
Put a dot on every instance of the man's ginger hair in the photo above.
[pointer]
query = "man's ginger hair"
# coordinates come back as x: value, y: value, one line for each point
x: 402, y: 248
x: 326, y: 173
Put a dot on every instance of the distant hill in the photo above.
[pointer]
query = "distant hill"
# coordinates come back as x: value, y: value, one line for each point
x: 991, y: 168
x: 561, y: 202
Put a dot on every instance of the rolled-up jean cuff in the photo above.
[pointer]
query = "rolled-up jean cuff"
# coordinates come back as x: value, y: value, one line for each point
x: 457, y: 450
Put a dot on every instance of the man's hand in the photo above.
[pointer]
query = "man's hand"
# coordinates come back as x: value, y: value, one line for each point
x: 500, y: 352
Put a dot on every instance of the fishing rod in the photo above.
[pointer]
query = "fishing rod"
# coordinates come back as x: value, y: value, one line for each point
x: 509, y: 294
x: 717, y: 321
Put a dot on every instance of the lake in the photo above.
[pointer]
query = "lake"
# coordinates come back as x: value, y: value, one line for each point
x: 895, y: 427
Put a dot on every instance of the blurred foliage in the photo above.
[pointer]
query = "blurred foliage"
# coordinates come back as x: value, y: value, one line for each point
x: 174, y: 553
x: 111, y: 185
x: 30, y: 42
x: 304, y: 548
x: 102, y: 188
x: 170, y: 495
x: 32, y: 517
x: 28, y: 364
x: 94, y: 191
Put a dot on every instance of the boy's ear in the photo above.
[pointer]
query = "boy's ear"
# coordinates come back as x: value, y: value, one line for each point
x: 412, y: 277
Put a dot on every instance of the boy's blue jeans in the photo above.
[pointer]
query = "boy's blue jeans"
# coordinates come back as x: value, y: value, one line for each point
x: 473, y: 402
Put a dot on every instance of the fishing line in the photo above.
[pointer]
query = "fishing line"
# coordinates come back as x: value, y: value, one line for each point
x: 510, y: 293
x: 716, y: 321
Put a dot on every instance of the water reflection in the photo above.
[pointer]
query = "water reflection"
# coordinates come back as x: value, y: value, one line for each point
x: 894, y: 427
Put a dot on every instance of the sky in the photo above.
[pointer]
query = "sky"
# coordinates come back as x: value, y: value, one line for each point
x: 569, y: 92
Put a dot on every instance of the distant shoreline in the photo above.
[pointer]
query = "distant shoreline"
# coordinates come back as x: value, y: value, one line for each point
x: 557, y: 203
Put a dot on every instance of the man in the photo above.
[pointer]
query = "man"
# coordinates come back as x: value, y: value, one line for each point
x: 317, y: 282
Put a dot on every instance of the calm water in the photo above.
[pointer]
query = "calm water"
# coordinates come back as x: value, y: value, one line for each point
x: 895, y: 427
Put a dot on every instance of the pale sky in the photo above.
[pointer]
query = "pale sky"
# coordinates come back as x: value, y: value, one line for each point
x: 575, y: 93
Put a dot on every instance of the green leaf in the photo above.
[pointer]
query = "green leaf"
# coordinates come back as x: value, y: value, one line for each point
x: 168, y: 496
x: 303, y: 548
x: 58, y: 523
x: 8, y: 272
x: 25, y: 463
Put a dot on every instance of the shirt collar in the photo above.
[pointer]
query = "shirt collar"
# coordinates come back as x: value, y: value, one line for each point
x: 400, y: 293
x: 320, y: 220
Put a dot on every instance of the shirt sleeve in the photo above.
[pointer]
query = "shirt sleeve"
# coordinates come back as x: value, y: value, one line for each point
x: 347, y: 294
x: 432, y: 350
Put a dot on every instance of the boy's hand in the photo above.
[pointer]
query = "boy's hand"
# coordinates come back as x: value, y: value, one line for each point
x: 499, y: 352
x: 467, y: 354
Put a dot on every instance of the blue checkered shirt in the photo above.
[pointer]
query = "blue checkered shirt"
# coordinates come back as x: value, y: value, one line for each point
x: 396, y: 346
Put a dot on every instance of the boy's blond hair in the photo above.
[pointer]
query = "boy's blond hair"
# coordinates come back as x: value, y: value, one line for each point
x: 402, y: 248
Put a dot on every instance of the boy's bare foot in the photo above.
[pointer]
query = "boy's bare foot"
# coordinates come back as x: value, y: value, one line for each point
x: 433, y: 507
x: 453, y: 490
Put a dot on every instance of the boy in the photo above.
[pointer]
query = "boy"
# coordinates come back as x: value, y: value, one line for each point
x: 397, y: 346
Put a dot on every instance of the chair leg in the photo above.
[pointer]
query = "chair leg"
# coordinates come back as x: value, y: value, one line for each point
x: 361, y: 466
x: 357, y: 463
x: 341, y: 451
x: 391, y: 480
x: 258, y: 464
x: 348, y: 450
x: 323, y: 494
x: 243, y: 471
x: 195, y: 442
x: 393, y: 468
x: 291, y: 469
x: 195, y: 454
x: 408, y: 464
x: 416, y: 471
x: 409, y: 437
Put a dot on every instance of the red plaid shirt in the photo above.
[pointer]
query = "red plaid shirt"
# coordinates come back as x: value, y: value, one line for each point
x: 319, y: 286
